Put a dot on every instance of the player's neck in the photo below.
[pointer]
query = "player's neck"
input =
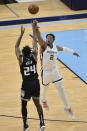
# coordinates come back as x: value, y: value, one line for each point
x: 28, y: 57
x: 51, y: 46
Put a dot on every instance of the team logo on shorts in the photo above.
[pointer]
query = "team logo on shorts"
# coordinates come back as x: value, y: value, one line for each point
x: 22, y: 93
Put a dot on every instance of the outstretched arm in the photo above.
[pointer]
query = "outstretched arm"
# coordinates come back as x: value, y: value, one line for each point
x: 35, y: 48
x: 17, y: 49
x: 67, y: 50
x: 41, y: 42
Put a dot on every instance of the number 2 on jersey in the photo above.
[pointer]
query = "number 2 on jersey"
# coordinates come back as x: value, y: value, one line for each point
x: 51, y: 57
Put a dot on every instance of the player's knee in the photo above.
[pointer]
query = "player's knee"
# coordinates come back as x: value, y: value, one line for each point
x: 59, y: 84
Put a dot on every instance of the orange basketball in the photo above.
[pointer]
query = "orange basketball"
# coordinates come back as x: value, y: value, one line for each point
x: 33, y: 8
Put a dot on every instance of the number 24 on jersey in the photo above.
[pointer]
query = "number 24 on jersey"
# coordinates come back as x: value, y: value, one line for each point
x: 27, y: 70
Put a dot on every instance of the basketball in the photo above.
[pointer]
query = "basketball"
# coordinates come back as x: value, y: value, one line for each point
x: 33, y: 8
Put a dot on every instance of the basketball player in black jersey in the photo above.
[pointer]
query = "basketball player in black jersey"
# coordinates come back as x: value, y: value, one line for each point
x: 30, y: 85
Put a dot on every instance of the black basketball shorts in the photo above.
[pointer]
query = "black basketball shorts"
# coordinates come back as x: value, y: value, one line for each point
x: 30, y: 89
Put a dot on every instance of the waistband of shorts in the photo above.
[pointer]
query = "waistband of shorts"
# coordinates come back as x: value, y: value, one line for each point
x: 28, y: 80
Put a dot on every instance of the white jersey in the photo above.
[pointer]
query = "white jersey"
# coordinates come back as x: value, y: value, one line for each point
x: 48, y: 58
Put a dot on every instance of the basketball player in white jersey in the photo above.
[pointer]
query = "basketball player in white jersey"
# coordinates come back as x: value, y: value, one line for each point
x: 49, y: 69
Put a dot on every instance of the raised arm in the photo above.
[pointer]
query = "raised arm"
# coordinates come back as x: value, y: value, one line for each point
x: 65, y: 49
x: 17, y: 49
x: 41, y: 42
x: 35, y: 47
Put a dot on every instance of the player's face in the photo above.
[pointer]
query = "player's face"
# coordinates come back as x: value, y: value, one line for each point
x: 49, y: 40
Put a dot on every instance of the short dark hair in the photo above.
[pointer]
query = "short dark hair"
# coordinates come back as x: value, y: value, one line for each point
x: 26, y: 51
x: 51, y: 35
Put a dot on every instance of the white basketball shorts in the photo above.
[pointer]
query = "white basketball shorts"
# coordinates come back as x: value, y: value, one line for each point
x: 50, y: 76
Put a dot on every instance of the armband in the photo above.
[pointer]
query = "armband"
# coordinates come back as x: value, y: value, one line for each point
x: 68, y: 50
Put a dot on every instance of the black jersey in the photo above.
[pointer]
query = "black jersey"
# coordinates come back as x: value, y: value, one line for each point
x: 28, y: 68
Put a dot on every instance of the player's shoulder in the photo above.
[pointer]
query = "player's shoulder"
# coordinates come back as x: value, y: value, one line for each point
x: 32, y: 57
x: 55, y: 46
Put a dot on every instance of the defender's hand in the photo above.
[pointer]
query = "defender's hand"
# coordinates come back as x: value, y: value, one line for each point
x: 76, y: 54
x: 34, y: 24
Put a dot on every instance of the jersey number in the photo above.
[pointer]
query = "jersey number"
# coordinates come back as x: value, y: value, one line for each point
x: 27, y: 70
x: 51, y: 57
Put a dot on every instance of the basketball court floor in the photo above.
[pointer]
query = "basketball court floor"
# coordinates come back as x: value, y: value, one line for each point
x: 70, y: 29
